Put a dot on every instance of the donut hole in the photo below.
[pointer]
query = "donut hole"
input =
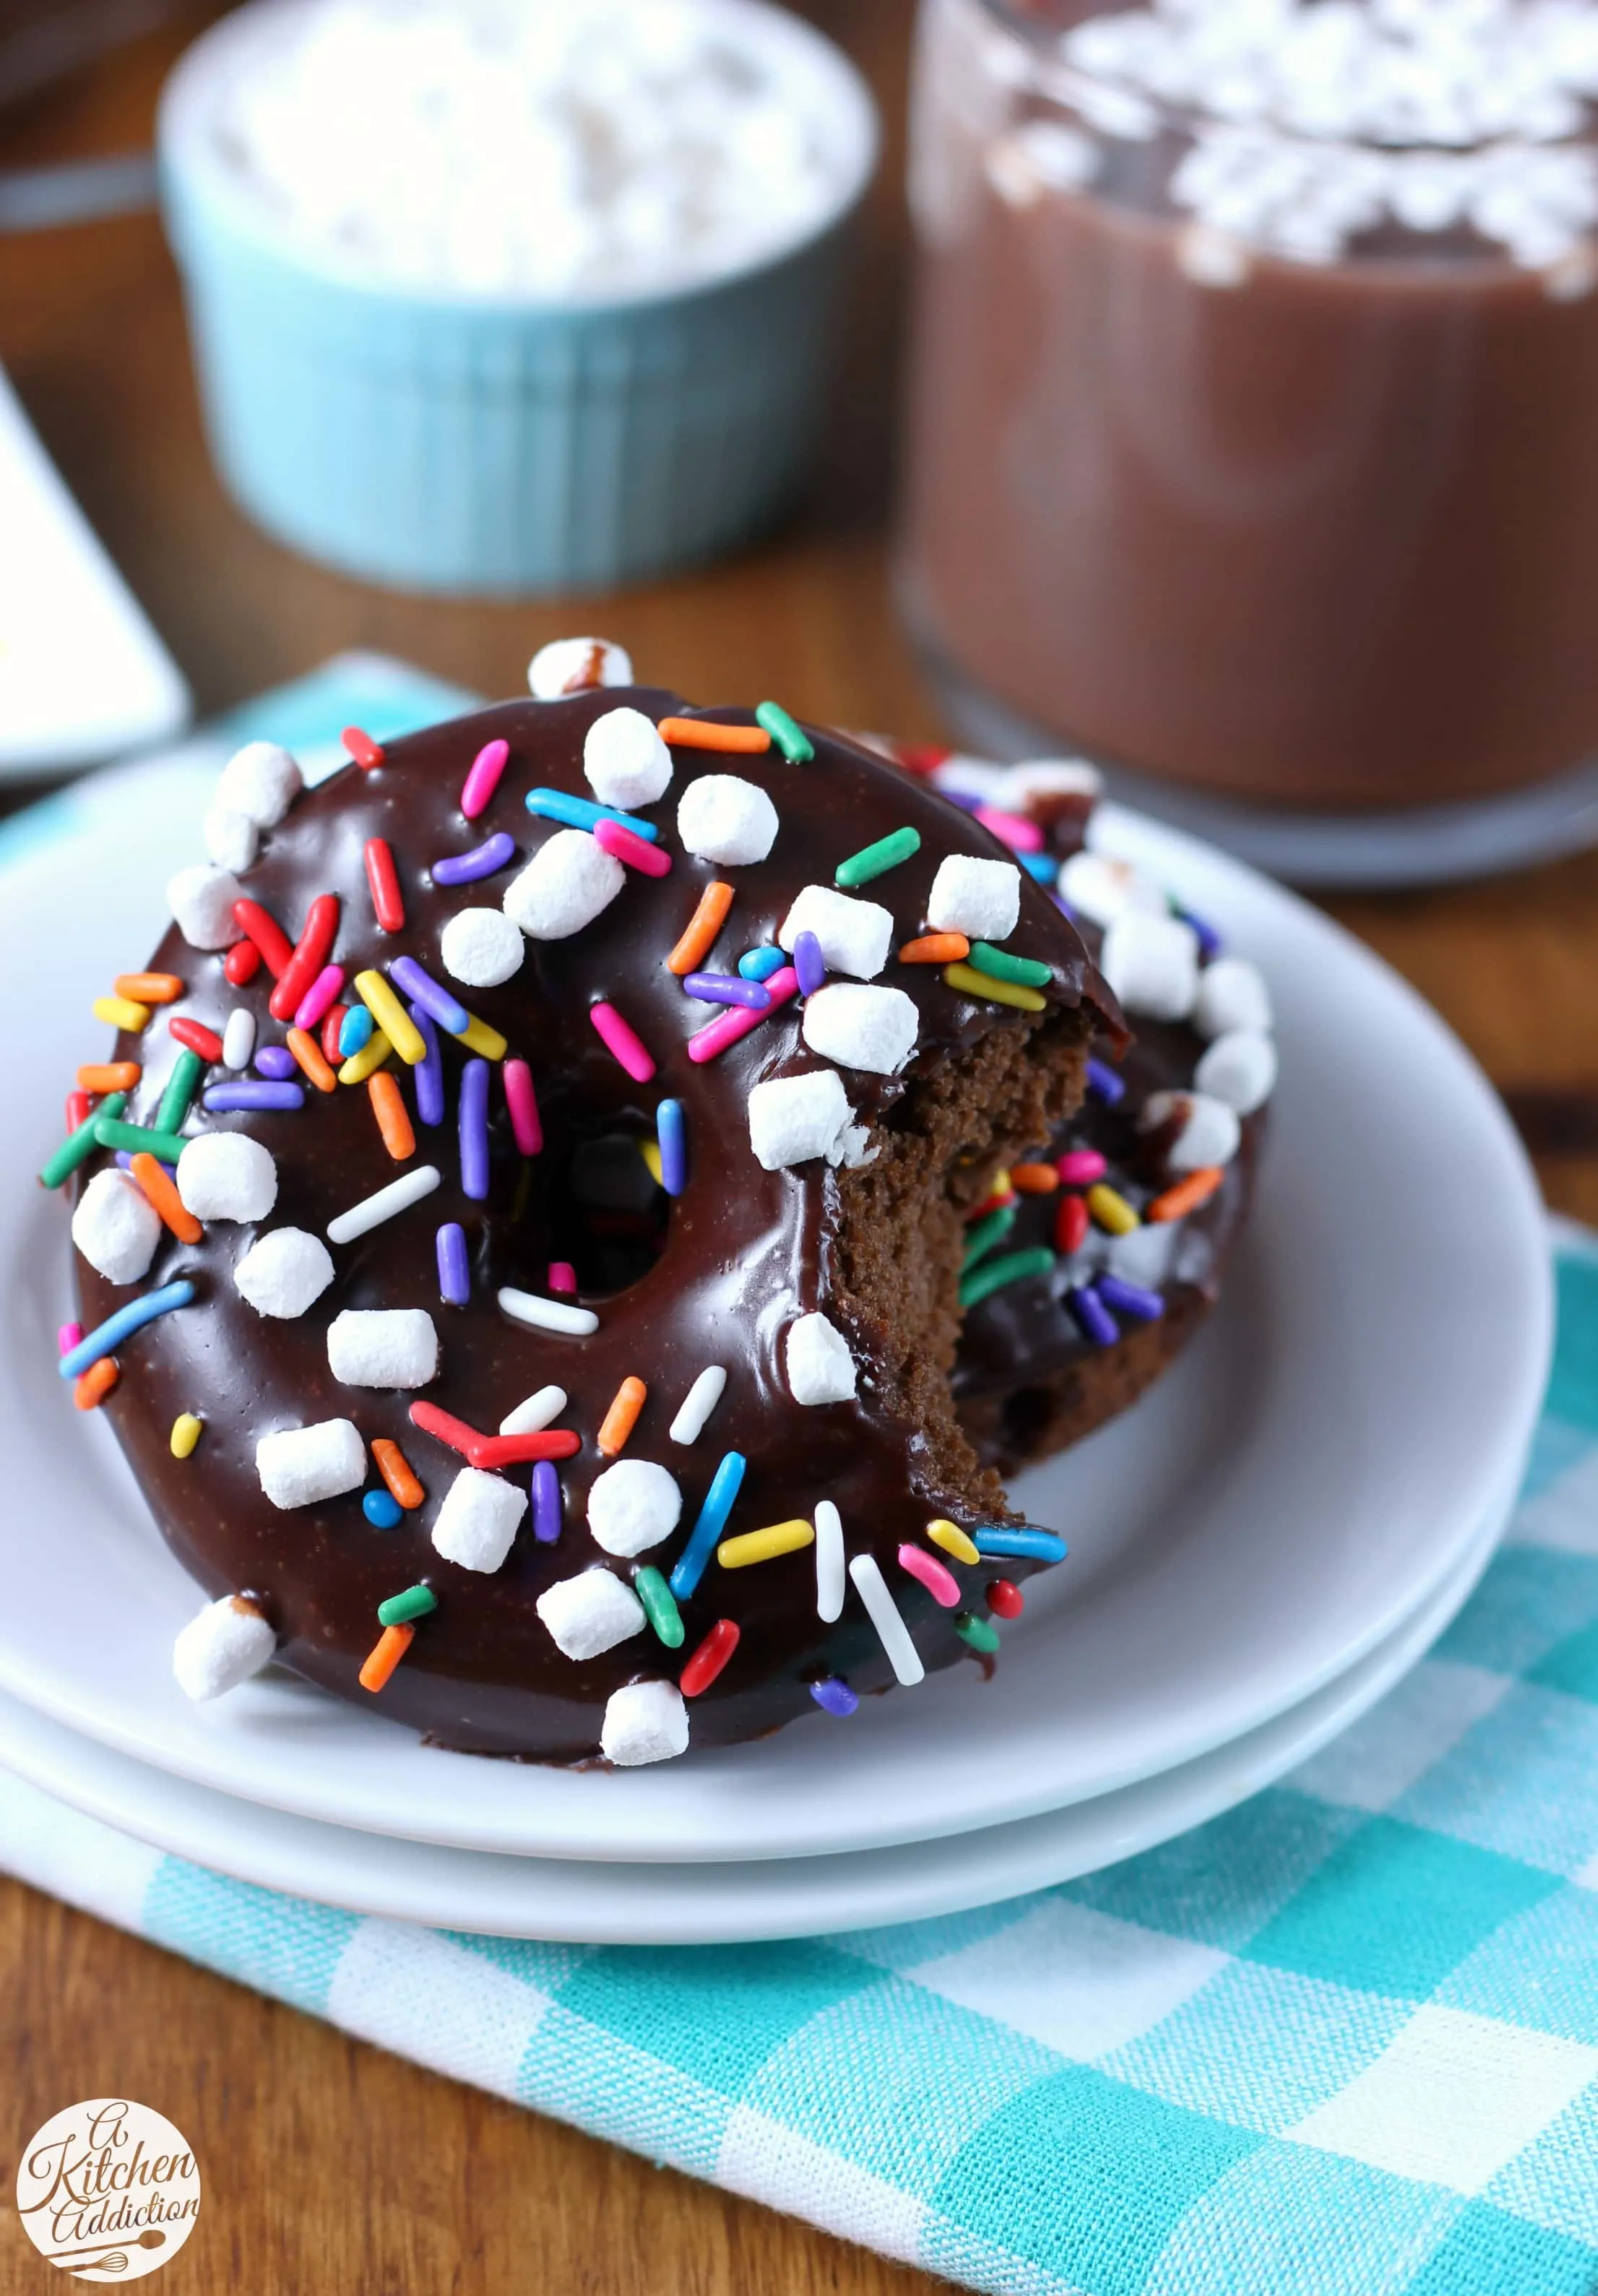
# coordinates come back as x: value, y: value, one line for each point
x: 607, y: 1209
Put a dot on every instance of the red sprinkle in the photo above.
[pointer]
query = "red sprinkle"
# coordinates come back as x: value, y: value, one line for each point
x: 311, y: 953
x: 383, y: 878
x: 275, y: 946
x: 242, y: 963
x: 920, y: 758
x: 79, y: 1104
x: 1070, y: 1223
x: 517, y: 1450
x: 709, y: 1658
x: 447, y: 1428
x: 197, y: 1036
x: 333, y: 1021
x: 362, y: 748
x: 1005, y: 1597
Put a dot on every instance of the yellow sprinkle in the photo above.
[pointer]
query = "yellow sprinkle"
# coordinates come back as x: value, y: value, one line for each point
x: 187, y: 1431
x: 372, y: 1055
x: 972, y: 983
x: 480, y: 1038
x: 1111, y: 1210
x: 391, y: 1017
x: 122, y: 1012
x: 953, y: 1540
x: 761, y: 1546
x: 651, y: 1157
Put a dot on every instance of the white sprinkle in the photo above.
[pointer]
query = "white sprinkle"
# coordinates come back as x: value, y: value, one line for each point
x: 698, y: 1403
x: 819, y: 1365
x: 382, y: 1347
x: 855, y: 935
x: 202, y: 900
x: 590, y: 1613
x: 624, y: 761
x: 372, y: 1212
x: 117, y: 1228
x: 644, y: 1722
x: 1210, y: 1132
x: 884, y: 1612
x: 722, y: 819
x: 828, y: 1561
x: 1231, y: 995
x: 570, y: 880
x: 1151, y: 963
x: 539, y: 1411
x: 283, y: 1272
x: 1028, y: 788
x: 260, y: 781
x: 476, y: 1525
x: 231, y: 839
x: 792, y: 1118
x: 975, y: 897
x: 567, y: 664
x: 299, y: 1465
x: 546, y: 1314
x: 226, y: 1176
x: 632, y: 1505
x: 861, y: 1027
x: 238, y: 1037
x: 1239, y: 1068
x: 227, y: 1643
x: 481, y: 947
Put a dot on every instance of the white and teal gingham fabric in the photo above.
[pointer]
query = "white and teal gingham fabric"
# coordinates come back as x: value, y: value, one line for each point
x: 1340, y: 2042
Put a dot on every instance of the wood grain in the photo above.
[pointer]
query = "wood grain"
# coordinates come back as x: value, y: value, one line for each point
x: 329, y: 2166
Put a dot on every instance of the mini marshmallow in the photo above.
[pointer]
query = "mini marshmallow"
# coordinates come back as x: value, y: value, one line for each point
x: 1144, y: 1255
x: 1239, y: 1068
x: 238, y: 1037
x: 282, y: 1273
x: 231, y: 839
x: 1231, y: 995
x: 563, y: 888
x: 633, y: 1506
x: 724, y: 819
x: 382, y: 1347
x: 227, y: 1176
x: 115, y: 1227
x: 299, y: 1465
x: 477, y: 1523
x: 625, y: 761
x: 862, y: 1028
x: 481, y: 947
x: 1151, y: 963
x: 644, y: 1722
x: 979, y: 898
x: 1100, y: 888
x: 791, y: 1118
x: 590, y: 1613
x: 202, y: 900
x: 820, y: 1367
x: 1036, y: 782
x: 227, y: 1643
x: 262, y: 782
x: 1210, y: 1132
x: 571, y: 665
x: 855, y: 935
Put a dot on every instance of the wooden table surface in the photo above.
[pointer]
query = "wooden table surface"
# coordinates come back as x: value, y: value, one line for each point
x: 331, y: 2167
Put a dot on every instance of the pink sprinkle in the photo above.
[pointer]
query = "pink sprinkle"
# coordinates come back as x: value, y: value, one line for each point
x: 483, y: 779
x: 70, y: 1336
x: 939, y: 1583
x: 623, y: 1041
x: 1021, y: 836
x: 323, y: 992
x: 522, y: 1101
x: 1080, y: 1167
x: 562, y: 1279
x: 737, y: 1021
x: 637, y: 851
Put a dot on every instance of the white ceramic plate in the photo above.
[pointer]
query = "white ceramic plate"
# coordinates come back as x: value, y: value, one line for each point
x: 1276, y: 1509
x: 613, y: 1903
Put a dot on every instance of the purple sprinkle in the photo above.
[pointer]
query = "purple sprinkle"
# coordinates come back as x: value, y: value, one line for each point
x: 125, y: 1164
x: 834, y: 1696
x: 276, y: 1061
x: 546, y: 1502
x: 726, y: 988
x: 671, y: 1133
x: 223, y: 1097
x: 809, y: 963
x: 1105, y: 1084
x: 968, y: 800
x: 474, y: 1130
x: 428, y: 1075
x: 1129, y: 1299
x: 1097, y: 1323
x: 454, y: 1270
x: 447, y: 1011
x: 482, y: 861
x: 1210, y: 940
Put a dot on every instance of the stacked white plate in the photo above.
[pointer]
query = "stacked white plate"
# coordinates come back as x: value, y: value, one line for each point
x: 1257, y: 1550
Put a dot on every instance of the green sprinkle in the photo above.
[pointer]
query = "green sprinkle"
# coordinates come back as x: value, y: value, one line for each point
x: 182, y: 1085
x: 790, y: 736
x: 166, y: 1147
x: 660, y: 1607
x: 977, y: 1632
x: 982, y: 1234
x: 1013, y: 1268
x: 81, y: 1145
x: 886, y: 854
x: 399, y: 1610
x: 1003, y: 966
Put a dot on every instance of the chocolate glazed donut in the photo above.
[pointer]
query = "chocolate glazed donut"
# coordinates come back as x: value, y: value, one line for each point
x: 717, y: 1275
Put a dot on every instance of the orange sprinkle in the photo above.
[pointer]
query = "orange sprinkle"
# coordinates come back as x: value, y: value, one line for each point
x: 936, y: 948
x: 163, y: 1194
x: 1034, y: 1179
x: 622, y: 1417
x: 393, y: 1118
x: 385, y: 1655
x: 92, y: 1387
x: 307, y: 1052
x: 1186, y: 1196
x: 149, y: 988
x: 705, y: 733
x: 703, y: 926
x: 395, y: 1469
x: 109, y: 1076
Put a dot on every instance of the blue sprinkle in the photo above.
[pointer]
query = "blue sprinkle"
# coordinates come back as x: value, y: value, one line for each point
x: 1105, y: 1084
x: 581, y: 812
x: 834, y: 1696
x: 712, y: 1522
x: 275, y: 1061
x: 760, y: 964
x: 1044, y: 866
x: 1210, y: 940
x: 672, y: 1134
x: 107, y: 1337
x: 1129, y: 1299
x: 1030, y: 1546
x: 222, y: 1099
x: 381, y: 1510
x: 355, y: 1031
x: 1096, y: 1321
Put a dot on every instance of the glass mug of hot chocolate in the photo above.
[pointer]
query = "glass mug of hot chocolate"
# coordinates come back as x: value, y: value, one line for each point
x: 1253, y: 439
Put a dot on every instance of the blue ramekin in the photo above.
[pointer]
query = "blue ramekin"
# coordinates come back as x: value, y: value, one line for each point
x: 475, y: 444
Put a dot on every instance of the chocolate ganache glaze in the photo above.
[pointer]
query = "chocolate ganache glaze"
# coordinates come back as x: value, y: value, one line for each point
x: 742, y: 1251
